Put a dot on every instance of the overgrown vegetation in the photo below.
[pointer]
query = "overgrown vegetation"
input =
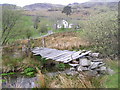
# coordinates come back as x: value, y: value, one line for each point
x: 9, y: 20
x: 102, y: 32
x: 43, y: 28
x: 60, y: 66
x: 29, y: 71
x: 98, y: 32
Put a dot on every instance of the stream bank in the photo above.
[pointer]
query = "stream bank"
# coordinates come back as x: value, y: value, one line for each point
x: 20, y: 81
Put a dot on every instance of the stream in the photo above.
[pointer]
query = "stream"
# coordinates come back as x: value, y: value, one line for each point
x: 19, y: 81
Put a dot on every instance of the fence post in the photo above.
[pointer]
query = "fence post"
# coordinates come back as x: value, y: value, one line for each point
x: 43, y: 42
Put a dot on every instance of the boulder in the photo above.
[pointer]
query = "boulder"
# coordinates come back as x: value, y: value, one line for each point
x: 103, y: 70
x: 72, y: 69
x: 73, y: 65
x: 97, y: 60
x: 95, y: 65
x: 110, y: 71
x: 84, y: 62
x: 75, y: 62
x: 89, y: 57
x: 102, y: 64
x: 92, y: 73
x: 81, y: 68
x: 94, y: 54
x: 72, y: 73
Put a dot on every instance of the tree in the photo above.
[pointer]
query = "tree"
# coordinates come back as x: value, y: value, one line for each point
x: 102, y: 31
x: 28, y: 33
x: 36, y: 21
x: 67, y: 10
x: 9, y: 20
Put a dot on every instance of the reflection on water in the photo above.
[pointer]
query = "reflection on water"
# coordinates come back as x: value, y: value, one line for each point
x: 18, y: 81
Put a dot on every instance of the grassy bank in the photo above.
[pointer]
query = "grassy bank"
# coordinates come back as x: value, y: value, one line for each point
x: 82, y: 80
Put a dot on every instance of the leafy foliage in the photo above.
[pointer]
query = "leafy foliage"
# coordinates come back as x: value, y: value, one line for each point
x: 43, y: 28
x: 36, y: 21
x: 9, y: 20
x: 67, y: 10
x: 101, y: 31
x: 5, y: 74
x: 61, y: 66
x: 42, y: 60
x: 30, y: 71
x: 28, y: 32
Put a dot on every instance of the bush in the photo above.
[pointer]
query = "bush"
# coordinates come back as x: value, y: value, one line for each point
x: 29, y: 71
x: 43, y: 28
x: 101, y: 31
x: 61, y: 66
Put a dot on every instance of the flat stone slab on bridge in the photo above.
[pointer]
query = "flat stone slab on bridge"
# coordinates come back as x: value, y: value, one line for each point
x: 79, y: 60
x: 64, y: 56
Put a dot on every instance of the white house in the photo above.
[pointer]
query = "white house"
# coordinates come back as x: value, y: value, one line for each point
x: 71, y: 25
x: 63, y: 24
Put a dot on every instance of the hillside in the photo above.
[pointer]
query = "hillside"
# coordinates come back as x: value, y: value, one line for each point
x: 104, y: 0
x: 12, y: 6
x: 92, y: 3
x: 39, y: 42
x: 38, y: 6
x: 80, y: 11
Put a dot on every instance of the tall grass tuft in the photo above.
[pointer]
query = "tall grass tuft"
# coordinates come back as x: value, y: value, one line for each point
x: 17, y: 84
x: 77, y: 81
x: 41, y: 79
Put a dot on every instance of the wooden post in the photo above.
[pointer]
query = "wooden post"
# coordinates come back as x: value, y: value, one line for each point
x: 43, y: 42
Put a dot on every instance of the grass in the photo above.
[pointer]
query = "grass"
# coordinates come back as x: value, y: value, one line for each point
x: 5, y: 74
x: 68, y: 40
x: 112, y: 80
x: 65, y: 81
x: 77, y: 81
x: 21, y: 26
x: 83, y: 81
x: 17, y: 84
x: 18, y: 64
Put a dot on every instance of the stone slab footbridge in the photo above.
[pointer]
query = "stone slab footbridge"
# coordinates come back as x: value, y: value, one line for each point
x: 82, y: 60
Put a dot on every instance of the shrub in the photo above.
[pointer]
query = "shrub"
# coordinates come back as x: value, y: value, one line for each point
x: 60, y: 66
x: 101, y: 31
x: 29, y: 71
x: 43, y: 28
x: 42, y: 60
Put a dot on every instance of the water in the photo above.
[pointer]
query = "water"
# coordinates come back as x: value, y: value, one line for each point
x: 20, y: 81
